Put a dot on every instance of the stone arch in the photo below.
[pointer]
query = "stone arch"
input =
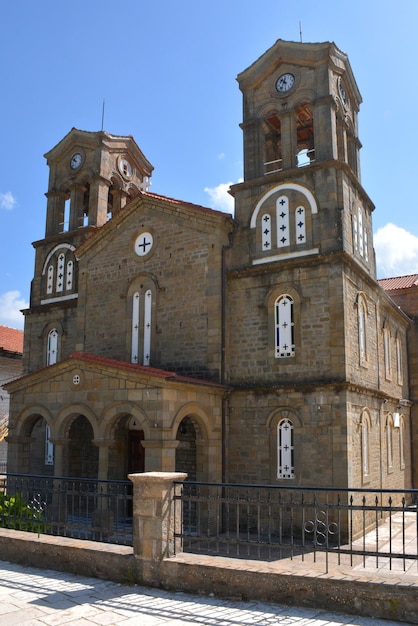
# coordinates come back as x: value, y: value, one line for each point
x: 69, y: 413
x: 28, y: 417
x: 200, y: 417
x: 192, y: 429
x: 283, y: 187
x: 27, y: 441
x: 113, y: 414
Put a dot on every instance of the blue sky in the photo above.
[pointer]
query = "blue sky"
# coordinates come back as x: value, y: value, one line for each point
x: 167, y: 71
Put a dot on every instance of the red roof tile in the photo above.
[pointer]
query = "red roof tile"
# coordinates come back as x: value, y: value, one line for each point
x: 142, y: 369
x: 399, y: 282
x: 11, y: 339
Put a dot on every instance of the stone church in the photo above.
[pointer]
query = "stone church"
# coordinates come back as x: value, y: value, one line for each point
x: 258, y: 348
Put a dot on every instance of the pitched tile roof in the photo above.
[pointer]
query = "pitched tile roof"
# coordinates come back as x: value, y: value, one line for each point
x: 11, y: 339
x: 399, y: 282
x: 143, y: 369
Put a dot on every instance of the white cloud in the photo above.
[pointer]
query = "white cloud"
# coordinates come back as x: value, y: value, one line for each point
x: 396, y: 251
x: 7, y: 201
x: 221, y: 199
x: 10, y: 304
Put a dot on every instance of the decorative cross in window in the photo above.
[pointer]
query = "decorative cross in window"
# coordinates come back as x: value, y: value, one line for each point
x: 142, y: 246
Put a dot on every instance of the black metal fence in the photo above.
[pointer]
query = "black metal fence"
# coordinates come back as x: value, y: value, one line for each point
x: 98, y: 510
x: 356, y: 527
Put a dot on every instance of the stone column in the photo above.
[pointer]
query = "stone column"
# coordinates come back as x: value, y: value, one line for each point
x: 156, y: 519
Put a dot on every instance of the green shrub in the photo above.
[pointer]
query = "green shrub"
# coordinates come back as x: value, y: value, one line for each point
x: 16, y: 513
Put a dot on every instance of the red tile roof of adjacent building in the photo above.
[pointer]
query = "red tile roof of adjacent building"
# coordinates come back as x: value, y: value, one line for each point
x: 11, y: 339
x: 399, y: 282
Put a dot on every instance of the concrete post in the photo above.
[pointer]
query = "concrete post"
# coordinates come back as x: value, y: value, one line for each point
x: 156, y: 519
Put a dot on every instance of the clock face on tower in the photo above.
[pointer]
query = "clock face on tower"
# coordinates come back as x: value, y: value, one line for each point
x: 342, y: 93
x: 285, y: 82
x: 76, y: 161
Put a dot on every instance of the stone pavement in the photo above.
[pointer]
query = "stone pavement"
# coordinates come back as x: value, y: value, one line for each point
x: 35, y: 597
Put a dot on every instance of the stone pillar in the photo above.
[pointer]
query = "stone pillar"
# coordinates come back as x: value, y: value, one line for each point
x: 59, y: 456
x: 76, y: 207
x: 160, y: 454
x: 289, y: 140
x: 156, y: 519
x: 103, y: 469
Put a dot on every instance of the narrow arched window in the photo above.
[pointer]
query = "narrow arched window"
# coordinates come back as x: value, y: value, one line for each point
x: 284, y: 327
x: 266, y: 231
x: 387, y: 352
x: 399, y: 364
x: 282, y: 221
x: 147, y: 327
x: 60, y: 273
x: 50, y: 280
x: 365, y: 446
x: 141, y: 331
x: 49, y: 447
x: 305, y: 135
x: 300, y: 225
x: 285, y: 450
x: 389, y: 442
x: 362, y: 331
x: 360, y: 232
x: 52, y: 347
x: 135, y: 328
x: 402, y: 442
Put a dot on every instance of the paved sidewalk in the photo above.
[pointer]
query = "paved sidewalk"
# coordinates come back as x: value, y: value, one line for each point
x: 34, y: 597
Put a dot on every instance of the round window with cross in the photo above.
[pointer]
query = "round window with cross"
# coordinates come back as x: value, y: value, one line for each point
x: 143, y: 244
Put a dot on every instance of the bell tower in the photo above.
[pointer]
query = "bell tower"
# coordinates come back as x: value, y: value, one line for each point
x: 301, y: 154
x: 92, y: 176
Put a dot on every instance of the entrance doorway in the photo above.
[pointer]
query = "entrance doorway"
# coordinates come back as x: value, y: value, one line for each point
x: 136, y: 452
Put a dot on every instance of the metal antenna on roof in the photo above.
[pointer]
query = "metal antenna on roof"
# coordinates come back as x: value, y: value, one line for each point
x: 300, y: 31
x: 103, y: 112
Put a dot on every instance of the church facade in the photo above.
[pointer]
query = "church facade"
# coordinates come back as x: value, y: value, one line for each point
x: 258, y: 348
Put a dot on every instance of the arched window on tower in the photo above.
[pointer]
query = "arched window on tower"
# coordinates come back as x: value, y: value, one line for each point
x: 362, y: 328
x: 284, y: 326
x: 272, y: 144
x: 365, y: 424
x: 285, y: 450
x: 389, y: 442
x: 52, y: 347
x: 305, y: 136
x: 86, y: 202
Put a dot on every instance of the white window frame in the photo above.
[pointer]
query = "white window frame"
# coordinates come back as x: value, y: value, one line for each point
x: 362, y: 330
x: 285, y: 450
x: 387, y: 352
x: 365, y: 446
x: 284, y: 327
x: 389, y: 442
x: 49, y: 447
x: 399, y: 362
x: 52, y: 347
x: 266, y: 232
x: 282, y: 221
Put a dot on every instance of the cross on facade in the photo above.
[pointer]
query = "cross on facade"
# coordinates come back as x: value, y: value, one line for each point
x: 143, y: 245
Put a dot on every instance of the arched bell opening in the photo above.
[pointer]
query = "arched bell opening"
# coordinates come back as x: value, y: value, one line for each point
x: 305, y: 152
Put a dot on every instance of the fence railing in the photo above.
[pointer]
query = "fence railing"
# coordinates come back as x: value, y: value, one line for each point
x: 356, y: 527
x: 98, y: 510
